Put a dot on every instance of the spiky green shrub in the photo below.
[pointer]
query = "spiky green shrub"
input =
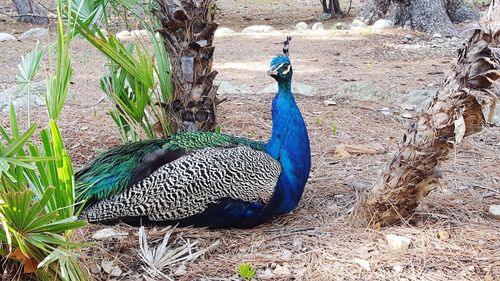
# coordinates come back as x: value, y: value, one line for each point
x: 37, y: 197
x: 136, y: 81
x: 246, y: 271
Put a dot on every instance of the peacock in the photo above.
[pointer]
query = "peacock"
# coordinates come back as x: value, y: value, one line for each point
x: 204, y: 178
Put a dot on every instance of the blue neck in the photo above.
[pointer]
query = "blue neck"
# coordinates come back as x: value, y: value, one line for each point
x: 289, y: 144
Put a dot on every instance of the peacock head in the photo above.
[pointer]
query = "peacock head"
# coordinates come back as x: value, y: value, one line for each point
x: 281, y: 67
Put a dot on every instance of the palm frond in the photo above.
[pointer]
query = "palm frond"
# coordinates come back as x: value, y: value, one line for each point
x: 157, y: 259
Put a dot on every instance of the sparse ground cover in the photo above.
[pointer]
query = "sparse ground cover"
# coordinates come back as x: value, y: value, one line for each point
x: 453, y: 237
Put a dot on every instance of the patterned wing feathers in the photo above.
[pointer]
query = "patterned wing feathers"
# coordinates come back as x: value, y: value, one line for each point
x: 189, y: 184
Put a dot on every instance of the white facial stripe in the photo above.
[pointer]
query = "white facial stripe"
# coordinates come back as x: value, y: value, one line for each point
x: 287, y: 70
x: 279, y: 66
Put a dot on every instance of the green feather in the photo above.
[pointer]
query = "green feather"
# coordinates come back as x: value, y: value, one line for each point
x: 110, y: 173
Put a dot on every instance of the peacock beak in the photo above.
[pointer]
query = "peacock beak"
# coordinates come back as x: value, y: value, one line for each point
x: 273, y: 71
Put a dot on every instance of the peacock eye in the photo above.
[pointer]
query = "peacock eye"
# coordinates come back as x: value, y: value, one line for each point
x: 284, y: 67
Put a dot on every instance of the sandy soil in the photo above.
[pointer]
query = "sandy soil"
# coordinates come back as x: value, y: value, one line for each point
x: 314, y: 242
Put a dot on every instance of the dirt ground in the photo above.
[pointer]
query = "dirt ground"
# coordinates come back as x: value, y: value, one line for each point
x: 314, y: 242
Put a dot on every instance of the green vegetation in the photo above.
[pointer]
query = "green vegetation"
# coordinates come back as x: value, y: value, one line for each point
x: 334, y: 128
x: 246, y: 271
x: 137, y: 82
x: 37, y: 198
x: 27, y: 69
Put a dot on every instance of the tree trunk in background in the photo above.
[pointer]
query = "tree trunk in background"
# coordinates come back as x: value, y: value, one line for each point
x: 331, y: 7
x: 431, y: 16
x: 30, y: 12
x: 336, y: 6
x: 188, y: 30
x: 457, y: 112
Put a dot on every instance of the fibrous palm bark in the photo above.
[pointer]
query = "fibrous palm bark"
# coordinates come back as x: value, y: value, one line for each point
x: 188, y: 30
x: 455, y: 113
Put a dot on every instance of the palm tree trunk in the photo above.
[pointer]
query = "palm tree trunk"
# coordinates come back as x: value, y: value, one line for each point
x: 188, y: 30
x: 457, y: 112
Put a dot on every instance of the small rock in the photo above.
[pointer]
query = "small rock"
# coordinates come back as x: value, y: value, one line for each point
x: 110, y: 268
x: 437, y: 35
x: 181, y: 270
x: 383, y: 24
x: 299, y: 272
x: 6, y: 37
x: 138, y: 34
x: 407, y: 115
x: 488, y: 277
x: 409, y: 37
x: 340, y: 25
x: 258, y: 29
x: 95, y: 269
x: 360, y: 91
x: 324, y: 16
x: 386, y: 111
x: 318, y: 26
x: 297, y: 245
x: 443, y: 235
x: 35, y: 33
x: 104, y: 31
x: 228, y: 87
x: 108, y: 233
x: 19, y: 100
x: 397, y: 242
x: 357, y: 24
x: 301, y: 26
x: 330, y: 102
x: 363, y: 263
x: 267, y: 274
x: 341, y: 153
x: 107, y: 266
x: 495, y: 211
x: 281, y: 271
x: 418, y: 99
x: 116, y: 271
x: 123, y: 35
x: 221, y: 31
x: 398, y: 268
x: 286, y: 255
